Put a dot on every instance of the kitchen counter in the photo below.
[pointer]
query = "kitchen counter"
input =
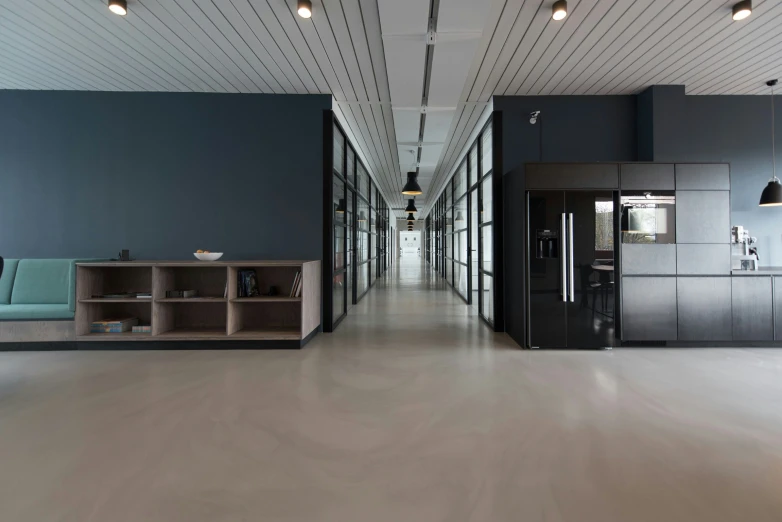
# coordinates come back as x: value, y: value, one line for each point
x: 762, y: 271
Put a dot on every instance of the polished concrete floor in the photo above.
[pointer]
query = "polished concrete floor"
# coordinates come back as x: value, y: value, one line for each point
x: 412, y: 411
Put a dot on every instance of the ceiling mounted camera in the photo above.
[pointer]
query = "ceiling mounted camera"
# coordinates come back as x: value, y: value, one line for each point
x: 533, y: 117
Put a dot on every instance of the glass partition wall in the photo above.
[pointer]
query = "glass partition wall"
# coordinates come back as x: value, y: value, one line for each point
x: 356, y: 234
x: 461, y: 238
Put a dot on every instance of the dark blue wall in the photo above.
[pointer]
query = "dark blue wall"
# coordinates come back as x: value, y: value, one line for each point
x: 573, y: 129
x: 85, y: 174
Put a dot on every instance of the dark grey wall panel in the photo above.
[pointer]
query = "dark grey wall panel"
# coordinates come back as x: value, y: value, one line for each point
x: 85, y: 174
x: 638, y: 259
x: 702, y: 176
x: 702, y: 216
x: 692, y: 259
x: 753, y: 318
x: 572, y: 176
x: 649, y: 309
x: 704, y: 305
x: 647, y: 176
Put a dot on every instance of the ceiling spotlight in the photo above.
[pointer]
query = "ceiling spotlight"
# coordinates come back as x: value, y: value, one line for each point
x: 742, y: 10
x: 305, y: 8
x: 559, y: 11
x: 412, y: 188
x: 119, y: 7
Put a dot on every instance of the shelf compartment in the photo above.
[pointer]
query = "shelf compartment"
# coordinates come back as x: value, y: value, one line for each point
x: 208, y: 281
x: 263, y: 316
x: 280, y: 277
x: 101, y: 280
x: 89, y: 312
x: 124, y: 336
x: 190, y: 315
x: 270, y: 334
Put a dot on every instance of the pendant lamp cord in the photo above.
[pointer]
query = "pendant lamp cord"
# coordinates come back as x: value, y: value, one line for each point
x: 773, y: 140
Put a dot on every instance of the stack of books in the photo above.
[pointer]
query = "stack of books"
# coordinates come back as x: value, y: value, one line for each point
x: 114, y: 325
x: 142, y: 329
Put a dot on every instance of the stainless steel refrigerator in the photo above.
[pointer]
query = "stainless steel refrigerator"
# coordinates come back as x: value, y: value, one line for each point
x: 571, y: 285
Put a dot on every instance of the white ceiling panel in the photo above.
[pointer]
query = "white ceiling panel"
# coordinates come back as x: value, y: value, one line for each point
x: 404, y: 17
x: 462, y: 15
x: 449, y: 71
x: 405, y: 63
x: 437, y: 125
x: 407, y: 124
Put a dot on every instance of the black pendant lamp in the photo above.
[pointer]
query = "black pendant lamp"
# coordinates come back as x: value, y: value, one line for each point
x: 410, y: 218
x: 459, y: 216
x: 412, y: 188
x: 340, y: 207
x: 772, y: 194
x: 362, y: 217
x: 410, y: 209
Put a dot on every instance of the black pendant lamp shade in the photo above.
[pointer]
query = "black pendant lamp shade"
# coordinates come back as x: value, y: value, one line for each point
x: 410, y: 218
x: 772, y: 194
x: 410, y: 209
x: 362, y: 217
x: 412, y: 188
x: 119, y: 7
x: 340, y: 206
x: 459, y: 216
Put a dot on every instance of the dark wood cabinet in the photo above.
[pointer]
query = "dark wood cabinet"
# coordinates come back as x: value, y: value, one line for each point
x: 702, y: 176
x: 649, y: 309
x: 648, y: 176
x: 704, y: 305
x: 753, y: 313
x: 580, y: 176
x: 641, y: 259
x: 693, y: 259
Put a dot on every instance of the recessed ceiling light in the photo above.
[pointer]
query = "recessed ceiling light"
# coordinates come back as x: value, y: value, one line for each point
x: 305, y: 8
x: 119, y: 7
x: 742, y: 10
x: 560, y: 10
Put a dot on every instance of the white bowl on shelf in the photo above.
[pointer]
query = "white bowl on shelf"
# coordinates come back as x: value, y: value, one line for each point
x: 211, y: 256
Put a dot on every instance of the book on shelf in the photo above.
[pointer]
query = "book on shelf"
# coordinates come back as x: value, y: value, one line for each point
x: 142, y: 329
x: 298, y: 290
x: 120, y: 325
x: 295, y: 284
x: 125, y: 295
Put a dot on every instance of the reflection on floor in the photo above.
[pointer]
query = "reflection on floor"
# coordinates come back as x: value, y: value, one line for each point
x: 412, y: 410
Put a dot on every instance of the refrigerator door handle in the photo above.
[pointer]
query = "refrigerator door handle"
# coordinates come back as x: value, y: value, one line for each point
x: 570, y: 259
x: 563, y: 261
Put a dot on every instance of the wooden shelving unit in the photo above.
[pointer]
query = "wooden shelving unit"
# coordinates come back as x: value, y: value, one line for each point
x: 209, y: 317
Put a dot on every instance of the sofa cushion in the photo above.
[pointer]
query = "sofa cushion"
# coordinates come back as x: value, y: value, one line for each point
x: 7, y: 280
x: 42, y: 281
x: 20, y: 312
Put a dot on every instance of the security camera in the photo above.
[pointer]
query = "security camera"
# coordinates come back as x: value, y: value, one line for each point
x: 533, y: 117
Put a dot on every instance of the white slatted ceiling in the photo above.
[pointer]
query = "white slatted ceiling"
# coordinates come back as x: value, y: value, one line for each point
x: 614, y: 47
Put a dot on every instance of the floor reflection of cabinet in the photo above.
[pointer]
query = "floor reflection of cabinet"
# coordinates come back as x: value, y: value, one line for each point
x: 218, y: 313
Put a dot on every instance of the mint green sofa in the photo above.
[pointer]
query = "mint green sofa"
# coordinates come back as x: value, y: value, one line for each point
x: 38, y: 290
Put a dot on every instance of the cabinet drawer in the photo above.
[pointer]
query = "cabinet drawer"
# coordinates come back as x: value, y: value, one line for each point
x: 649, y: 309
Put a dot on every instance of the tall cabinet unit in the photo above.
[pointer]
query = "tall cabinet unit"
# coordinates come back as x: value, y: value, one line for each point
x: 681, y: 290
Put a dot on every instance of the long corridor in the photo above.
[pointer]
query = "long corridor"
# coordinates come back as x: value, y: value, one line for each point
x: 412, y: 410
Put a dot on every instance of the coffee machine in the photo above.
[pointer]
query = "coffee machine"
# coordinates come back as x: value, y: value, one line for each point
x: 743, y: 255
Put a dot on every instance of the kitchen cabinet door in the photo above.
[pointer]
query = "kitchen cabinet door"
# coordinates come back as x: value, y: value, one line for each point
x: 753, y: 317
x: 702, y: 216
x: 649, y: 309
x: 704, y: 305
